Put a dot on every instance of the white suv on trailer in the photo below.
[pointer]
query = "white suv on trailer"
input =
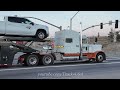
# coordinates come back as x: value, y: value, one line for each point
x: 22, y: 27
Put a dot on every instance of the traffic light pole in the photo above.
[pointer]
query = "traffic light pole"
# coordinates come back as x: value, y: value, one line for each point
x: 115, y: 37
x: 116, y: 26
x: 46, y: 22
x: 96, y: 25
x: 110, y: 23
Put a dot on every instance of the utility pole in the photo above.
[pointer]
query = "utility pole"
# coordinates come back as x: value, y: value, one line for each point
x: 115, y: 36
x: 98, y: 34
x: 81, y: 43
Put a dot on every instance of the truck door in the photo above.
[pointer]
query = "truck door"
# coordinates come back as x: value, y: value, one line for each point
x: 16, y: 26
x: 85, y: 48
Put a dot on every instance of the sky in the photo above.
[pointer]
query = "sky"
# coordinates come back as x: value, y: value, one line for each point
x: 62, y: 18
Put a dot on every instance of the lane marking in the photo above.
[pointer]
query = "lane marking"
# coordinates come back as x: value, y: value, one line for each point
x: 41, y: 67
x: 113, y: 57
x: 106, y: 61
x: 111, y: 63
x: 28, y: 68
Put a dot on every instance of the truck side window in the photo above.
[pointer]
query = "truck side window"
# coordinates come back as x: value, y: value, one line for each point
x: 69, y: 40
x: 26, y: 21
x: 12, y: 19
x: 18, y: 20
x: 15, y: 19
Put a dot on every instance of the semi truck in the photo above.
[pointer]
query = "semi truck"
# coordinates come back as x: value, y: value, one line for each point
x: 66, y: 47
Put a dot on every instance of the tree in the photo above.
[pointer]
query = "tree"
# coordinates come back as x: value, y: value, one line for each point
x: 98, y: 34
x: 118, y: 35
x: 111, y: 35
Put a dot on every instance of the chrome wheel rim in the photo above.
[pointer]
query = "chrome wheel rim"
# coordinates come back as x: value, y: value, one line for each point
x: 41, y: 35
x: 47, y: 60
x: 100, y: 57
x: 33, y: 60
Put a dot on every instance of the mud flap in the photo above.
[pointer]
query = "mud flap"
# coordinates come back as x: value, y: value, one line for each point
x: 6, y: 55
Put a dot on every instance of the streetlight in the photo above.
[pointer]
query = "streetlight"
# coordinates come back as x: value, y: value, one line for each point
x: 71, y: 20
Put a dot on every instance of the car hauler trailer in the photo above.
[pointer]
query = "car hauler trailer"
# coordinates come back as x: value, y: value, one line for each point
x: 66, y: 47
x: 8, y: 51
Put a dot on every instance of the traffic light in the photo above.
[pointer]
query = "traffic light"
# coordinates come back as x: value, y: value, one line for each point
x: 101, y: 25
x: 116, y: 23
x: 96, y: 39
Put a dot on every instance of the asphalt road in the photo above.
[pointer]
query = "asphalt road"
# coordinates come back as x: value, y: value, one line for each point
x: 110, y: 69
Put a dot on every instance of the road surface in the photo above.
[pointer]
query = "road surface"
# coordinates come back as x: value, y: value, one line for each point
x: 109, y: 69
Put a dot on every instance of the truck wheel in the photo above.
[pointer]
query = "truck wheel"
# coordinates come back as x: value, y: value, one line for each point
x: 47, y: 60
x: 32, y: 60
x: 40, y: 35
x: 100, y: 57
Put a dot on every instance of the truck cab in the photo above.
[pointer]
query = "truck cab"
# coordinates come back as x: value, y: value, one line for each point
x: 67, y: 42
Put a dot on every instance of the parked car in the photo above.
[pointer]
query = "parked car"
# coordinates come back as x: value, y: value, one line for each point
x: 22, y: 27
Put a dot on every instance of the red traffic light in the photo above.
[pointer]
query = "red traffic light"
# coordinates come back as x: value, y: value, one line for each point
x: 101, y: 25
x: 116, y: 23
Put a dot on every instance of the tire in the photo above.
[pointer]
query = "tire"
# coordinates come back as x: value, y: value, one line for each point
x: 47, y: 60
x: 100, y: 57
x: 32, y: 60
x: 40, y: 35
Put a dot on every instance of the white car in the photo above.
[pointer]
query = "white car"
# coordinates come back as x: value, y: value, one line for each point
x: 22, y: 27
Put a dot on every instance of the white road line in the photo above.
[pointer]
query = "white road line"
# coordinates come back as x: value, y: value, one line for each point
x: 40, y: 67
x: 28, y: 68
x: 111, y: 63
x: 106, y: 61
x: 114, y: 58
